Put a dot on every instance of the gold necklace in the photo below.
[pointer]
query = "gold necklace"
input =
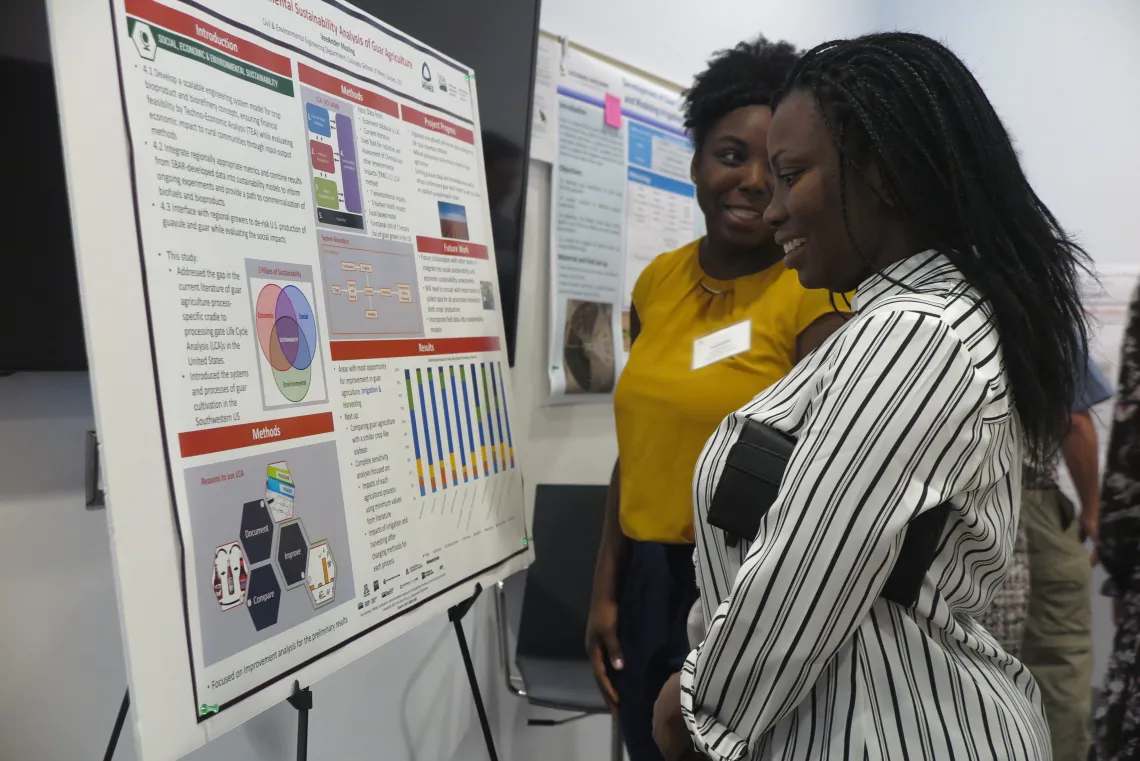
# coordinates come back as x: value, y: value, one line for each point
x: 713, y: 291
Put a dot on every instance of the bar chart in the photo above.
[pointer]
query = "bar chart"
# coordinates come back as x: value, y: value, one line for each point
x: 461, y: 429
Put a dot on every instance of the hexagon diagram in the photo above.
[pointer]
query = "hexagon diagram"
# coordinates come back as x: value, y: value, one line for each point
x: 279, y: 491
x: 321, y: 574
x: 264, y: 597
x: 256, y: 531
x: 144, y: 40
x: 292, y: 553
x: 230, y: 575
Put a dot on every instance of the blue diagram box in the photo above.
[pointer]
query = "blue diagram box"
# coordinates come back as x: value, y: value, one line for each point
x: 318, y: 119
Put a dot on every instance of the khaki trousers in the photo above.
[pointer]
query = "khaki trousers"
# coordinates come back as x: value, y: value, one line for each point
x: 1057, y: 643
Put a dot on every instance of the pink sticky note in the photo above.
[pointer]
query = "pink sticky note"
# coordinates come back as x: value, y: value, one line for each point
x: 613, y: 111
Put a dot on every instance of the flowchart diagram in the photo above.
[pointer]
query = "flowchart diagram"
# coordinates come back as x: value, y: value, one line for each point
x: 353, y: 290
x: 329, y: 123
x: 370, y: 287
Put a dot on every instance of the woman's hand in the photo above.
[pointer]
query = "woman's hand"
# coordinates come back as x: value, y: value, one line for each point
x: 669, y: 729
x: 602, y: 646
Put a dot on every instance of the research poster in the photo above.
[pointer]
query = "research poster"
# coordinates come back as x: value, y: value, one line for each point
x: 323, y: 309
x: 621, y: 195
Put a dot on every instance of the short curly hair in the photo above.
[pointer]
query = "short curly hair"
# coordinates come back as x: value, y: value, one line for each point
x: 749, y: 74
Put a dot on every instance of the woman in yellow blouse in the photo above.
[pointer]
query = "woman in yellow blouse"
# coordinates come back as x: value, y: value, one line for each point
x: 713, y: 324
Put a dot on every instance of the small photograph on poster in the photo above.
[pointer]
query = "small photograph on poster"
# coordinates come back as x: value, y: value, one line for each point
x: 288, y: 338
x: 488, y: 291
x: 278, y: 543
x: 231, y: 576
x: 588, y: 347
x: 453, y: 221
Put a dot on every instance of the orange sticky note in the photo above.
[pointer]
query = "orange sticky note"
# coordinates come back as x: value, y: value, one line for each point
x: 613, y: 111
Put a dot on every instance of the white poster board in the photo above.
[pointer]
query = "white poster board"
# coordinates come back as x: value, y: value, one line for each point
x: 621, y: 194
x: 289, y: 293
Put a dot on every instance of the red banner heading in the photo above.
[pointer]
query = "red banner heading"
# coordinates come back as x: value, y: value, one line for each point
x: 447, y: 247
x: 416, y: 347
x: 435, y: 124
x: 210, y: 440
x: 207, y: 34
x: 342, y: 89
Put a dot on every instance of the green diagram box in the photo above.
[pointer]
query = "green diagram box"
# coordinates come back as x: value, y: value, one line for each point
x: 326, y: 193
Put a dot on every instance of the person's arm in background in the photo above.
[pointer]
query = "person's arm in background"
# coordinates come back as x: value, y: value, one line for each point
x: 601, y: 628
x: 1080, y: 451
x: 1119, y: 527
x: 1083, y: 461
x: 818, y: 316
x: 819, y: 331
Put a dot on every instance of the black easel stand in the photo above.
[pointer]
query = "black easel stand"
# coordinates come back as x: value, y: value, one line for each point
x: 119, y: 721
x: 302, y: 700
x: 455, y: 614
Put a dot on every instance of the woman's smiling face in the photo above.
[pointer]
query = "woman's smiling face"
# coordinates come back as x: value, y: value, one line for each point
x: 807, y: 205
x: 734, y: 180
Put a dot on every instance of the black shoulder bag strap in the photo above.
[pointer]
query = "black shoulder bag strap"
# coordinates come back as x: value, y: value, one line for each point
x: 751, y: 480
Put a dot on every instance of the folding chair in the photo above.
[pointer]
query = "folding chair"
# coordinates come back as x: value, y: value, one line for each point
x: 550, y: 653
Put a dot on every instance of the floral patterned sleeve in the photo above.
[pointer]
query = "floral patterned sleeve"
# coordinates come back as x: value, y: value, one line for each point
x: 1120, y: 495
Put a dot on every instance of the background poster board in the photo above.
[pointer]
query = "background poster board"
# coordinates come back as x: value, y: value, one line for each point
x: 297, y: 357
x: 621, y: 194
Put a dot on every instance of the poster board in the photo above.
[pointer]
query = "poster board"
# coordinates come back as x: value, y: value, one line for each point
x: 621, y: 194
x: 289, y: 294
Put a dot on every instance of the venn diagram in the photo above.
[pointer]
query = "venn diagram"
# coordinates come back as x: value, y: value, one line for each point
x: 287, y: 333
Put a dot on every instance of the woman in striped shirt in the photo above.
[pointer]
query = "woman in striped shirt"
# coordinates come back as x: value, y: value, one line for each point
x: 895, y: 177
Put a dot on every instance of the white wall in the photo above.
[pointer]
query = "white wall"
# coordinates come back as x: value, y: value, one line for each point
x: 1060, y: 74
x: 674, y: 38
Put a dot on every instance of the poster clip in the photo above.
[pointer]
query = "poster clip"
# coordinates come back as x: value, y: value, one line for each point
x: 564, y: 43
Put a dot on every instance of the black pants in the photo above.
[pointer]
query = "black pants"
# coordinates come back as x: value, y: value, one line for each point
x: 658, y: 590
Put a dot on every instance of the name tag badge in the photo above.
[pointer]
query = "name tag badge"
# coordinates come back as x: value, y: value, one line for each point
x: 725, y: 343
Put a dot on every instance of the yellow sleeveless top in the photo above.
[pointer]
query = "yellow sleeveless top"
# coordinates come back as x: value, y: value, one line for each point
x: 665, y: 410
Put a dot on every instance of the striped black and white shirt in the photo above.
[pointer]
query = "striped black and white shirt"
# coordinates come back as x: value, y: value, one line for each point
x: 905, y: 408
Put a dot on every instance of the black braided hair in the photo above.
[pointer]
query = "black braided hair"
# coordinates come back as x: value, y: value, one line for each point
x: 909, y: 106
x: 750, y: 74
